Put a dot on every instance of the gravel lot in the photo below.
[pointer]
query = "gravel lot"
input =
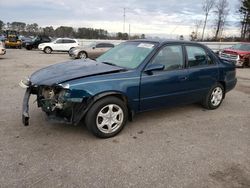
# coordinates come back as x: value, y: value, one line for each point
x: 178, y: 147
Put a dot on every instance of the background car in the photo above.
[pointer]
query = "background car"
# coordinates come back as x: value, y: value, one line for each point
x: 91, y: 51
x: 239, y: 54
x: 25, y: 40
x: 60, y: 44
x: 132, y: 77
x: 36, y: 41
x: 2, y: 48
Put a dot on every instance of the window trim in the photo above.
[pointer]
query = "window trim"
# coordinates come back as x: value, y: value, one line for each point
x: 171, y: 44
x: 207, y: 55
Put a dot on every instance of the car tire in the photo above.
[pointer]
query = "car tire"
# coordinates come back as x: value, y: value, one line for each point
x: 47, y: 50
x: 107, y: 117
x: 28, y: 48
x: 82, y: 55
x: 214, y: 97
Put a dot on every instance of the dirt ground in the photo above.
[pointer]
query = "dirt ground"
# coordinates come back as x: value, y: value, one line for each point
x: 178, y: 147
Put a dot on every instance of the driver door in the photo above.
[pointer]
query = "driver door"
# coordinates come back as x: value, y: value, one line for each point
x: 165, y: 87
x: 58, y: 45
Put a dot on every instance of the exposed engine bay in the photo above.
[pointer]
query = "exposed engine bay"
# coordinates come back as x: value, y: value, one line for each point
x: 53, y: 101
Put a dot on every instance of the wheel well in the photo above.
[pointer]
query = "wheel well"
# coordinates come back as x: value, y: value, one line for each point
x: 83, y: 52
x: 224, y: 87
x: 117, y: 95
x: 47, y: 47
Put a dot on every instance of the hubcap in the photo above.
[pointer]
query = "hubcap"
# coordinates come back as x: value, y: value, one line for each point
x: 216, y: 96
x: 47, y: 50
x: 82, y: 56
x: 109, y: 118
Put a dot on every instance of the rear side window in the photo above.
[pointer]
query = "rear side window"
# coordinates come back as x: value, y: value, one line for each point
x: 68, y: 41
x: 197, y: 56
x: 171, y: 57
x: 107, y: 45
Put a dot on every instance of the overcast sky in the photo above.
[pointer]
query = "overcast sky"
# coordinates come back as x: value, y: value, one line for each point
x: 162, y: 17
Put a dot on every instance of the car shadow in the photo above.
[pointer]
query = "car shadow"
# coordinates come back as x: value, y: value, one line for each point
x: 140, y: 122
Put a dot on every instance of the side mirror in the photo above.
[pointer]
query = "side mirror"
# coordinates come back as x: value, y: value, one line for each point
x: 154, y: 67
x: 93, y: 47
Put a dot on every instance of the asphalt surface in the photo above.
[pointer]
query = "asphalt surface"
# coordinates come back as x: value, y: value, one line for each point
x: 177, y: 147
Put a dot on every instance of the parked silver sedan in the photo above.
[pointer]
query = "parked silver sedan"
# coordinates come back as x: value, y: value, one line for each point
x: 91, y: 51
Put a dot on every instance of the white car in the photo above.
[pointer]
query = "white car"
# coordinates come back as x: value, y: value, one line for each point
x: 60, y: 44
x: 2, y: 48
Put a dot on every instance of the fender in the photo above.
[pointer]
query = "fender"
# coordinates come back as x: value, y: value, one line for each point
x: 87, y: 104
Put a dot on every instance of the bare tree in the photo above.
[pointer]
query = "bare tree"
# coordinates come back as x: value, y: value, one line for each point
x: 221, y: 11
x: 195, y: 33
x: 207, y: 6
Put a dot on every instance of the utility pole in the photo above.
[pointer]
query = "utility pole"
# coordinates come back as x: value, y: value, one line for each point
x: 124, y: 16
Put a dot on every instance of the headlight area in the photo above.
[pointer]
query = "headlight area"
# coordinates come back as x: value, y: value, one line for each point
x: 52, y: 100
x: 60, y: 104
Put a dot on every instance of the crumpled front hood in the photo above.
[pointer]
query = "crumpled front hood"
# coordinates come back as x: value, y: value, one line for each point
x: 63, y: 72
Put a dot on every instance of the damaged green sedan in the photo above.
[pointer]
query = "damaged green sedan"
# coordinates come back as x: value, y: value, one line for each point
x: 133, y: 77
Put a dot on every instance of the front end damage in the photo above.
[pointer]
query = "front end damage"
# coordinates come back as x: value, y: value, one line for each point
x: 58, y: 102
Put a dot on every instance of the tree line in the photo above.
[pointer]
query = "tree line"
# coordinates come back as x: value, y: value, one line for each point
x: 64, y: 31
x: 220, y: 10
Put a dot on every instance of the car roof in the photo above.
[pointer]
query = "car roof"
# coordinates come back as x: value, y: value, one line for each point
x: 66, y: 38
x: 165, y: 41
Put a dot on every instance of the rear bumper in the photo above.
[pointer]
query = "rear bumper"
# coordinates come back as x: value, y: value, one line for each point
x: 237, y: 63
x: 73, y: 55
x: 231, y: 85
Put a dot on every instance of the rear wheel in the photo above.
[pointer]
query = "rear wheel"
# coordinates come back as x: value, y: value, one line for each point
x: 28, y: 47
x: 82, y: 55
x: 107, y: 117
x: 214, y: 97
x: 47, y: 50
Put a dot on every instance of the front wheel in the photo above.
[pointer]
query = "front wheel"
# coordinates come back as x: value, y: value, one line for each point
x: 82, y: 55
x: 47, y: 50
x: 214, y: 97
x: 107, y: 117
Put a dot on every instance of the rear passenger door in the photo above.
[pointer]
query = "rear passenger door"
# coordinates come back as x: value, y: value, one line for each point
x: 202, y: 71
x: 68, y: 43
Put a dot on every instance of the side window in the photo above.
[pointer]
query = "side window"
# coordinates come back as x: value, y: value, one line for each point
x: 171, y: 57
x: 100, y: 45
x: 59, y: 41
x: 108, y: 45
x: 197, y: 56
x: 68, y: 41
x: 72, y: 41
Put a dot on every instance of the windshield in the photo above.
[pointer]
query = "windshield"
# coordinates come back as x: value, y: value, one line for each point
x: 128, y: 54
x: 34, y: 39
x: 243, y: 47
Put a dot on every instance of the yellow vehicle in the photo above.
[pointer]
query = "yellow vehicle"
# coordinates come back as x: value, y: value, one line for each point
x: 12, y: 39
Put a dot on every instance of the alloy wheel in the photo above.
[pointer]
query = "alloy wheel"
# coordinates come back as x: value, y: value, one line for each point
x: 216, y: 96
x: 110, y: 118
